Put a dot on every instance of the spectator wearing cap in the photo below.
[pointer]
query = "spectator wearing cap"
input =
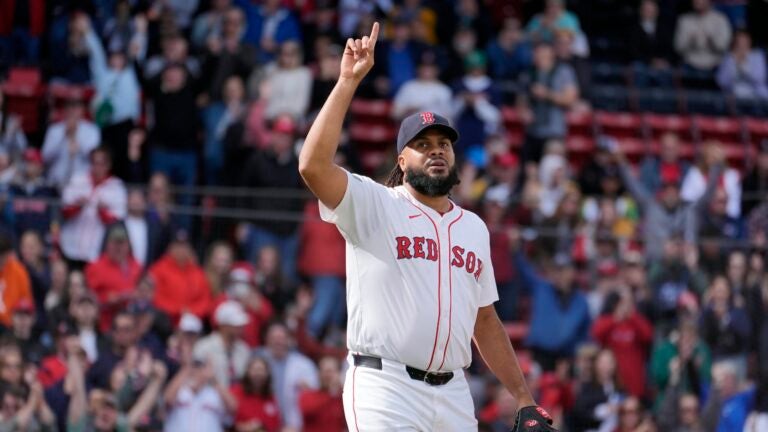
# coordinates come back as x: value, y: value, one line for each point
x: 509, y: 53
x: 53, y: 368
x: 475, y: 110
x: 664, y: 213
x: 702, y: 36
x: 269, y: 25
x: 256, y: 405
x: 32, y: 198
x: 68, y: 145
x: 628, y: 335
x: 114, y: 275
x: 559, y: 312
x: 667, y: 167
x: 196, y: 400
x: 180, y: 282
x: 755, y: 181
x: 14, y: 279
x: 321, y: 259
x: 241, y: 287
x: 224, y: 349
x: 180, y: 344
x: 276, y: 168
x: 425, y: 92
x: 742, y: 72
x: 291, y: 372
x: 152, y: 327
x: 322, y: 409
x: 22, y: 331
x: 551, y: 89
x: 91, y: 202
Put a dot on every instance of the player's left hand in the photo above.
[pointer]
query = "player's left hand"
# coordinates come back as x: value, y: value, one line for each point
x: 533, y: 419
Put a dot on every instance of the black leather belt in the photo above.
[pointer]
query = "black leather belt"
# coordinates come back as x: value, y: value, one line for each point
x: 431, y: 378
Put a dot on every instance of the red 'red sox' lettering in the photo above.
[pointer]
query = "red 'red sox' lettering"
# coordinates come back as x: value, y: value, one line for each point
x: 426, y: 248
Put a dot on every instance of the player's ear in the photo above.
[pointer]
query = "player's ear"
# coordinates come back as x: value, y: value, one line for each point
x: 401, y: 162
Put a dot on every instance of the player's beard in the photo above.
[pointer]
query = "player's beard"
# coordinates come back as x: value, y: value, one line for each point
x: 432, y: 186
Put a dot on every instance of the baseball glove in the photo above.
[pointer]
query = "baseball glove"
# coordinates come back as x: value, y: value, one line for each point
x: 533, y: 419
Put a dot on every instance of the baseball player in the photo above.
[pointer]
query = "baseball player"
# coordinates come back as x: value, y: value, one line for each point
x: 420, y: 284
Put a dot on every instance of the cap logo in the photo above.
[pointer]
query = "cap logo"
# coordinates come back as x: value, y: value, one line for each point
x: 531, y: 423
x: 427, y: 118
x: 544, y: 413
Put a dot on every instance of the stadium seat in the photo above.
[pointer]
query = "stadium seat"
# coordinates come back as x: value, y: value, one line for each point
x: 620, y: 125
x: 371, y: 109
x: 24, y: 91
x: 609, y: 98
x: 579, y: 144
x: 757, y: 129
x: 513, y: 125
x: 687, y: 149
x: 609, y: 73
x: 659, y: 124
x: 663, y: 101
x: 633, y: 148
x: 706, y: 102
x: 517, y: 331
x: 371, y: 133
x: 718, y: 128
x: 580, y: 123
x: 58, y: 94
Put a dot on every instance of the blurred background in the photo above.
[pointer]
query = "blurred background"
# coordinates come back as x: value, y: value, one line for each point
x: 162, y: 266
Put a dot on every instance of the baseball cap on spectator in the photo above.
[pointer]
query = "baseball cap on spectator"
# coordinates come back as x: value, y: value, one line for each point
x: 240, y: 280
x: 231, y: 313
x: 24, y: 306
x: 33, y: 155
x: 474, y: 60
x: 190, y: 323
x: 415, y: 124
x: 284, y: 124
x: 506, y: 160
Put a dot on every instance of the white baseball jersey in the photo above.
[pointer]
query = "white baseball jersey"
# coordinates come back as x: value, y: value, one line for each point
x: 415, y: 278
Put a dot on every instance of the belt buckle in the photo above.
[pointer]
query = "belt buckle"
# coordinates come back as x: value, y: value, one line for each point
x: 429, y: 376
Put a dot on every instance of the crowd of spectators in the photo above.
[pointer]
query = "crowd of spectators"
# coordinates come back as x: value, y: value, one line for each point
x: 640, y: 286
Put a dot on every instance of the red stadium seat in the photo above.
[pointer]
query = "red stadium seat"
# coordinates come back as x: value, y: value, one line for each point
x: 718, y: 128
x: 517, y: 331
x: 579, y: 144
x: 757, y: 128
x: 658, y: 124
x: 58, y: 94
x: 371, y: 109
x: 580, y: 123
x: 735, y: 153
x: 372, y: 133
x: 633, y: 147
x: 620, y: 125
x: 24, y: 91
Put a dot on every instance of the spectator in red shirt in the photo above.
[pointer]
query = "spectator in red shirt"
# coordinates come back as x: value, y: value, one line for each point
x: 322, y: 259
x: 180, y: 282
x: 113, y: 277
x: 256, y: 406
x: 628, y: 335
x: 322, y: 409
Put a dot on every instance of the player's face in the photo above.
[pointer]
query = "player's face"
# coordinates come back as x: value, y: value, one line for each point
x: 428, y: 162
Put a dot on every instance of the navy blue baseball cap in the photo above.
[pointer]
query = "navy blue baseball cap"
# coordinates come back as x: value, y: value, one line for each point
x: 415, y: 124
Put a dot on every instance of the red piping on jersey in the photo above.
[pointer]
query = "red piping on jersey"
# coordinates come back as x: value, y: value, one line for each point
x: 450, y: 289
x: 354, y: 413
x: 439, y: 268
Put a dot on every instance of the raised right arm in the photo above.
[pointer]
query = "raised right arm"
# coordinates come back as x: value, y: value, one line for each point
x: 323, y: 177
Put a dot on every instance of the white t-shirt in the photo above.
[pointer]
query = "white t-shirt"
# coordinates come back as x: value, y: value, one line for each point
x: 415, y: 279
x: 203, y: 410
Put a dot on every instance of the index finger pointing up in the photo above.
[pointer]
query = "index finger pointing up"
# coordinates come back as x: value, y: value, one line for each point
x: 374, y: 36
